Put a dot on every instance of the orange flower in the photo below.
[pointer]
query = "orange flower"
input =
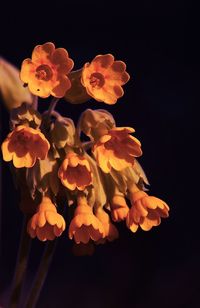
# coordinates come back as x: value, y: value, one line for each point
x: 45, y: 74
x: 85, y: 225
x: 119, y: 208
x: 75, y: 172
x: 103, y: 78
x: 110, y: 231
x: 146, y: 211
x: 24, y: 145
x: 117, y: 149
x: 46, y: 224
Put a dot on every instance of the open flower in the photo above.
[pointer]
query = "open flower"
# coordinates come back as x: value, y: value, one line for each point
x: 46, y: 224
x: 119, y: 208
x: 45, y: 74
x: 110, y: 231
x: 75, y: 172
x: 24, y: 145
x: 117, y: 149
x: 85, y: 225
x: 103, y: 78
x: 146, y: 211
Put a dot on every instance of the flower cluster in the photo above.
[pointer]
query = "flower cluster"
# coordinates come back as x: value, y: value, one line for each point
x: 93, y: 184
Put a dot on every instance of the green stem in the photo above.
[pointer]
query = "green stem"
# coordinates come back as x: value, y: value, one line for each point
x: 21, y: 265
x: 41, y: 275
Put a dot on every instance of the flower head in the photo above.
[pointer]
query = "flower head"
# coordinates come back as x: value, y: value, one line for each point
x: 24, y: 145
x: 110, y: 231
x: 117, y: 149
x: 75, y: 172
x: 85, y: 225
x: 46, y: 224
x: 103, y: 78
x: 146, y: 211
x: 45, y: 74
x: 119, y: 208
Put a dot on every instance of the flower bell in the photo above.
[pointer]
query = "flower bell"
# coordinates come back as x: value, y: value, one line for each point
x: 75, y: 172
x: 46, y: 224
x: 146, y: 211
x: 110, y: 231
x: 119, y: 207
x: 24, y: 145
x: 85, y: 225
x: 117, y: 149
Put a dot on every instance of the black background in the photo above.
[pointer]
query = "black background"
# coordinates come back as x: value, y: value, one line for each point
x: 159, y: 43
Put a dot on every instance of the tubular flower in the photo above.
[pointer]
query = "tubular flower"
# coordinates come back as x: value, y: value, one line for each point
x: 85, y: 225
x: 103, y: 78
x: 110, y: 231
x: 24, y: 145
x: 119, y: 208
x: 117, y: 149
x: 146, y: 211
x: 46, y: 224
x: 45, y: 74
x: 75, y: 172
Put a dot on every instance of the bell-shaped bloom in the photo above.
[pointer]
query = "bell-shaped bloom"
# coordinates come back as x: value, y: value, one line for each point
x: 85, y: 225
x: 117, y: 149
x: 46, y: 224
x: 46, y: 73
x: 24, y: 145
x: 75, y: 172
x: 119, y: 208
x: 103, y: 78
x: 146, y: 211
x: 110, y: 231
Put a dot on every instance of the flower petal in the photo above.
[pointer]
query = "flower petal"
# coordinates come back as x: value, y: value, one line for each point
x: 63, y: 86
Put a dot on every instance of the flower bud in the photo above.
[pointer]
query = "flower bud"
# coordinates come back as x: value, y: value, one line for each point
x: 96, y: 123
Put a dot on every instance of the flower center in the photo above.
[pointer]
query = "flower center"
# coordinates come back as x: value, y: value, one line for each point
x: 23, y: 138
x: 44, y: 72
x: 97, y: 80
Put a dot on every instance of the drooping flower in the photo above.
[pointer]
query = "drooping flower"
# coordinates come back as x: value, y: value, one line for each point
x: 75, y: 172
x: 24, y: 145
x: 103, y: 78
x: 110, y: 231
x: 117, y: 149
x: 146, y: 211
x: 46, y: 73
x: 46, y: 224
x: 85, y: 225
x: 119, y: 208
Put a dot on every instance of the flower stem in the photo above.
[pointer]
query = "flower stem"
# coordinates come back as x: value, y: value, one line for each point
x: 21, y: 265
x: 52, y: 106
x: 35, y: 102
x: 41, y: 275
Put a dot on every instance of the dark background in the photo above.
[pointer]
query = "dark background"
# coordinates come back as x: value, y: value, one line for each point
x: 159, y: 43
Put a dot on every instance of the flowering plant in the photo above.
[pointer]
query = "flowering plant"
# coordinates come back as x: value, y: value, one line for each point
x: 64, y: 181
